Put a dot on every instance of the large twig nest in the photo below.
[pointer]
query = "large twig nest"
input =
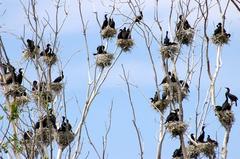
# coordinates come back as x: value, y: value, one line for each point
x: 174, y: 87
x: 20, y: 101
x: 220, y: 39
x: 50, y: 59
x: 207, y: 149
x: 45, y: 136
x: 27, y: 54
x: 170, y: 50
x: 226, y: 118
x: 56, y: 87
x: 108, y: 32
x: 104, y: 60
x: 160, y: 105
x: 176, y: 128
x: 44, y: 97
x: 13, y: 90
x: 185, y: 36
x: 125, y: 44
x: 64, y: 138
x: 177, y: 158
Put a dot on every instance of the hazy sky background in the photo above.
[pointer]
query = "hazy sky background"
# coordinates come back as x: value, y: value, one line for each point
x: 122, y: 138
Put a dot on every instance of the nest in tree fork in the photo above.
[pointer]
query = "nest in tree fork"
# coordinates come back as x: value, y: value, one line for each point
x: 108, y: 32
x: 44, y: 97
x: 45, y: 135
x: 174, y: 87
x: 206, y: 149
x: 160, y: 105
x: 104, y: 60
x: 185, y: 36
x: 176, y: 127
x: 125, y: 44
x: 226, y: 118
x: 22, y: 100
x: 50, y: 59
x: 220, y: 39
x: 56, y: 87
x: 64, y: 138
x: 28, y: 55
x: 169, y: 51
x: 13, y: 89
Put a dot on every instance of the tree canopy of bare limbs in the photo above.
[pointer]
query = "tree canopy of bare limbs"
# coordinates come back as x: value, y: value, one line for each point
x: 119, y: 79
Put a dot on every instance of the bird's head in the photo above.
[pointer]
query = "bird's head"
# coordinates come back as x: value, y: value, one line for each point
x: 227, y: 88
x: 180, y: 17
x: 48, y: 45
x: 35, y: 82
x: 20, y: 70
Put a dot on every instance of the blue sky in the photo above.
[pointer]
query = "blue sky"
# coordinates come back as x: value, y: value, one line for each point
x: 122, y: 137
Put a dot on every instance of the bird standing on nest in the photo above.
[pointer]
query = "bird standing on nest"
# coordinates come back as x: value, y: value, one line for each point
x: 105, y: 22
x: 183, y: 23
x: 173, y: 116
x: 226, y: 105
x: 59, y: 78
x: 202, y: 135
x: 232, y: 97
x: 111, y: 23
x: 19, y: 77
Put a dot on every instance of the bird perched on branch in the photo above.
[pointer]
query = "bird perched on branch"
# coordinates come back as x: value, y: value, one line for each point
x: 139, y: 17
x: 232, y: 97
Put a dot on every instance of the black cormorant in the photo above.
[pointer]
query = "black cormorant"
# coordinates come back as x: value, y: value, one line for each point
x: 232, y: 97
x: 139, y: 17
x: 59, y: 78
x: 193, y: 138
x: 30, y: 45
x: 226, y: 105
x: 178, y: 152
x: 211, y: 141
x: 111, y: 23
x: 27, y: 135
x: 63, y: 125
x: 19, y: 77
x: 165, y: 79
x: 105, y: 22
x: 166, y: 40
x: 183, y: 23
x: 120, y: 34
x: 173, y: 116
x: 202, y: 135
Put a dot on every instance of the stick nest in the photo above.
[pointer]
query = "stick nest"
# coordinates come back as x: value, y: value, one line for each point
x: 185, y: 36
x: 220, y: 39
x: 160, y: 105
x: 205, y: 148
x: 64, y: 138
x: 169, y: 51
x: 50, y: 59
x: 20, y: 101
x: 13, y: 89
x: 45, y: 135
x: 44, y: 97
x: 226, y: 118
x: 104, y: 60
x: 125, y: 44
x: 108, y: 32
x: 174, y: 87
x: 28, y: 55
x: 176, y: 128
x: 56, y: 87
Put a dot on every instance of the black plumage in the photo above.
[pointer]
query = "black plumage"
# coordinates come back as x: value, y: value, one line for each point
x: 202, y: 135
x: 178, y: 152
x: 128, y: 36
x: 193, y: 138
x: 30, y: 45
x: 105, y: 22
x: 124, y: 33
x: 211, y: 141
x: 173, y: 116
x: 63, y: 125
x: 226, y: 105
x: 155, y: 98
x: 166, y: 40
x: 165, y: 79
x: 173, y: 78
x: 111, y: 23
x: 34, y: 86
x: 232, y: 97
x: 49, y: 120
x: 27, y: 135
x: 19, y: 77
x: 68, y: 125
x: 183, y: 23
x: 218, y: 108
x: 139, y: 17
x: 120, y: 34
x: 59, y: 78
